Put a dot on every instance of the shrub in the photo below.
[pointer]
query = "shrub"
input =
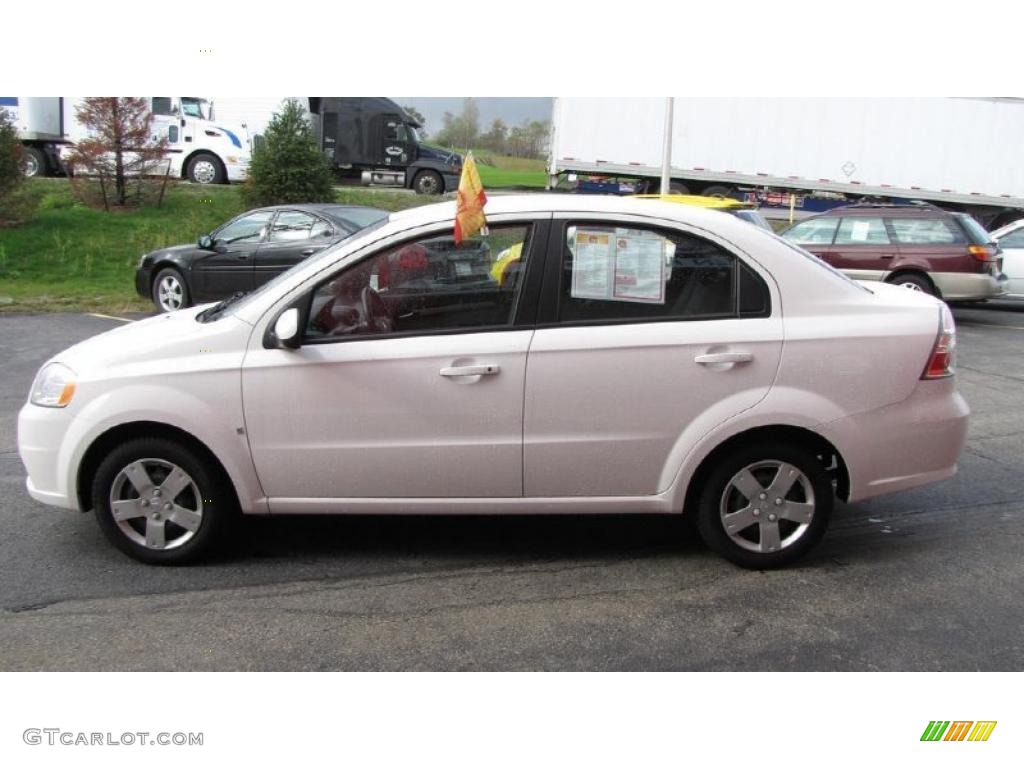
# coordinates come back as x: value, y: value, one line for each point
x: 16, y: 202
x: 287, y: 166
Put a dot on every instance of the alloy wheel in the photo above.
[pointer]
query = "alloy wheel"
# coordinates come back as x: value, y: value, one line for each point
x: 767, y: 506
x: 156, y: 504
x: 170, y: 294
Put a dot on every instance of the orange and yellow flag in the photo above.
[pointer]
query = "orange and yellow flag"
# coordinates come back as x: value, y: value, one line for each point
x: 469, y: 208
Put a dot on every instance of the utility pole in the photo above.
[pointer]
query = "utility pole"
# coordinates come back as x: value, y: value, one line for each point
x: 666, y: 151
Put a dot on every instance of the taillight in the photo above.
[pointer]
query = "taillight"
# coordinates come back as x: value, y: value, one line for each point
x: 943, y: 358
x: 982, y: 252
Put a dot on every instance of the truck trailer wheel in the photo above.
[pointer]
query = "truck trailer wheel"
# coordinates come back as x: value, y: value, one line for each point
x: 428, y: 183
x: 718, y: 190
x: 33, y: 163
x: 205, y: 168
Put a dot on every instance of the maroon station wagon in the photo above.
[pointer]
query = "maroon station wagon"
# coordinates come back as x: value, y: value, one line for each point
x: 920, y: 247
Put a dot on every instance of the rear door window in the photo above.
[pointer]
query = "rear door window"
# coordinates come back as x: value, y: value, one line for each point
x: 627, y: 274
x: 862, y: 230
x: 925, y: 232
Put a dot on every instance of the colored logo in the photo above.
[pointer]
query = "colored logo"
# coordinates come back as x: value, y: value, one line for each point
x: 958, y: 730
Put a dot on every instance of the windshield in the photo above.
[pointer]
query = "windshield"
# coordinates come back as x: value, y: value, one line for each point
x: 284, y: 277
x: 193, y: 107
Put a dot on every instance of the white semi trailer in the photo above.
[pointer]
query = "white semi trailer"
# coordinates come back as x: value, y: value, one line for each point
x: 201, y: 148
x: 960, y: 153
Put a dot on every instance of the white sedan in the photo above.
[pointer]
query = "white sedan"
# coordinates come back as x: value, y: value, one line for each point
x: 588, y: 355
x: 1011, y: 241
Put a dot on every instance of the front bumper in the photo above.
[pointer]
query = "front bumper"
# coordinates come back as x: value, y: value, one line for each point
x: 144, y: 282
x: 237, y: 171
x: 968, y: 286
x: 45, y: 454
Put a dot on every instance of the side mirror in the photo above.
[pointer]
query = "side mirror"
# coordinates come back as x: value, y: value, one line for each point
x: 205, y: 242
x: 286, y: 329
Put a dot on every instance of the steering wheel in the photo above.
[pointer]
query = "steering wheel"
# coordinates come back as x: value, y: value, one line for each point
x: 376, y: 318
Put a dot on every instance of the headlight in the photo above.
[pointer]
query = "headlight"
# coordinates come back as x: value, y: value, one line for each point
x: 54, y: 386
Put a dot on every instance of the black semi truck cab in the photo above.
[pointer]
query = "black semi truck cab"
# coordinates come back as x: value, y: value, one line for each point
x: 375, y: 140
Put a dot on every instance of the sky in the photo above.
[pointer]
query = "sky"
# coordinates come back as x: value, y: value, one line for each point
x: 512, y: 109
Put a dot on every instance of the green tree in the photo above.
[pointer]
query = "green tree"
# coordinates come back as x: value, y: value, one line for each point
x: 18, y: 201
x: 416, y: 115
x: 287, y: 166
x: 496, y: 136
x: 10, y: 156
x: 461, y: 131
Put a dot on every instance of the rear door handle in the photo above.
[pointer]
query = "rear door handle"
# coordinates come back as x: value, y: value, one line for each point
x: 724, y: 357
x: 471, y: 370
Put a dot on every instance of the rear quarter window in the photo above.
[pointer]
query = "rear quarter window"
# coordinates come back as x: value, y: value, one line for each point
x: 922, y: 231
x: 976, y: 233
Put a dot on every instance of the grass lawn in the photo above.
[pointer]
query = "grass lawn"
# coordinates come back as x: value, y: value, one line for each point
x: 69, y: 257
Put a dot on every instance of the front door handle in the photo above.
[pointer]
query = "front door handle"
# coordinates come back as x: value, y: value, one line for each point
x: 723, y: 357
x: 887, y: 256
x: 242, y: 256
x: 471, y: 370
x: 310, y: 251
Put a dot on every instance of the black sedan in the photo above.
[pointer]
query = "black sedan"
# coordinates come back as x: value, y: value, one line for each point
x: 246, y: 252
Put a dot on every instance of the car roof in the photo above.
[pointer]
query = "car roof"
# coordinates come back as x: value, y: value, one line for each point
x: 543, y: 203
x: 898, y: 210
x: 327, y: 209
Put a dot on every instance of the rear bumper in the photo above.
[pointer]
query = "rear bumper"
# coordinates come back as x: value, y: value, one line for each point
x: 966, y: 286
x: 903, y: 445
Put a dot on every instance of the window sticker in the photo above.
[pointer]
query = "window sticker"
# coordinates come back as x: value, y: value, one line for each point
x: 628, y: 265
x: 639, y: 268
x: 592, y: 264
x: 860, y: 231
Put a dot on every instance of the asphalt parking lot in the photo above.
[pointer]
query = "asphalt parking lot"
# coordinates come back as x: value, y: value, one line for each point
x: 929, y: 579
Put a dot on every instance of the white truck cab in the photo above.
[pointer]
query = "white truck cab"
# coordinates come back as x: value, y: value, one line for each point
x: 202, y: 150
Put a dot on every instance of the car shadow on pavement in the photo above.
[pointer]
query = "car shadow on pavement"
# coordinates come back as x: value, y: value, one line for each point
x: 470, y: 536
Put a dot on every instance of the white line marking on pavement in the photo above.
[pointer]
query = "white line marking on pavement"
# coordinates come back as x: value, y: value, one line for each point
x: 110, y: 317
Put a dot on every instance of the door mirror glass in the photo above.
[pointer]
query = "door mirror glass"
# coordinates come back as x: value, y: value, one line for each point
x: 286, y: 328
x: 205, y: 242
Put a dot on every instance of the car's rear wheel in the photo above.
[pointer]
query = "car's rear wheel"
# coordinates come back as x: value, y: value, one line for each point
x: 170, y: 291
x: 765, y: 505
x: 914, y: 282
x: 159, y: 502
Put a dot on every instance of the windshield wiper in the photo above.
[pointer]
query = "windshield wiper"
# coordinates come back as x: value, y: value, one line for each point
x: 209, y: 314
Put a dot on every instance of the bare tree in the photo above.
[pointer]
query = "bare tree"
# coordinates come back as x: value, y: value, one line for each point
x: 121, y: 151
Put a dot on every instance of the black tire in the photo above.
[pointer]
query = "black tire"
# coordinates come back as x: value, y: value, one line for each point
x: 33, y: 163
x: 160, y: 300
x: 217, y: 504
x: 428, y: 183
x: 205, y: 168
x: 718, y: 190
x: 718, y: 493
x: 678, y: 188
x: 913, y: 282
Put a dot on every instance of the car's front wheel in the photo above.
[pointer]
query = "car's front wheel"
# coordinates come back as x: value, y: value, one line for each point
x: 765, y: 505
x: 159, y: 502
x: 170, y: 291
